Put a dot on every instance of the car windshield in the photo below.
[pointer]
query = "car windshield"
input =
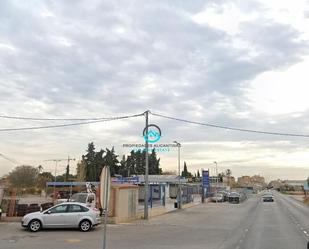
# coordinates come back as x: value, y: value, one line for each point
x: 79, y: 197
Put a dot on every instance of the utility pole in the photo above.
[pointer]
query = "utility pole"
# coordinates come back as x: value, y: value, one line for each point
x: 146, y: 170
x: 179, y: 195
x: 216, y: 181
x: 203, y: 191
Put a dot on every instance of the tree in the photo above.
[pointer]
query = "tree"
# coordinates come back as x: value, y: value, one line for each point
x: 130, y: 164
x: 40, y: 168
x: 23, y: 176
x: 63, y: 177
x: 228, y: 172
x: 43, y: 178
x: 154, y: 164
x: 89, y: 159
x: 139, y: 160
x: 123, y: 170
x: 94, y: 162
x: 136, y: 163
x: 185, y: 172
x: 110, y: 159
x: 81, y: 171
x: 220, y: 176
x: 98, y: 164
x: 198, y: 174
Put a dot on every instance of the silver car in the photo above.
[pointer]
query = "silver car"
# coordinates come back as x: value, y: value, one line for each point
x: 64, y: 215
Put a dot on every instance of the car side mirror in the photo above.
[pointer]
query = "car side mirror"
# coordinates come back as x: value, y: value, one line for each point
x: 48, y: 212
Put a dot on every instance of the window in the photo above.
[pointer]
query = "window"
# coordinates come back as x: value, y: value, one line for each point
x: 59, y: 209
x: 85, y: 209
x: 77, y: 208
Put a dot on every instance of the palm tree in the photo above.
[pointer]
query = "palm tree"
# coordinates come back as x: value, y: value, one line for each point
x: 40, y: 168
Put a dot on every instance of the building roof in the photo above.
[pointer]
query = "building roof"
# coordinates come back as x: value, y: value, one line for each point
x: 162, y: 179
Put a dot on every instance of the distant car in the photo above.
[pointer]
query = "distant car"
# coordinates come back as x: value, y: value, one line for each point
x: 268, y: 198
x: 217, y: 197
x: 64, y: 215
x: 225, y: 195
x: 234, y: 197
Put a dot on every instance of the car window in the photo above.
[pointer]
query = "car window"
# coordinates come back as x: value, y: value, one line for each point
x: 59, y: 209
x: 77, y: 208
x: 85, y: 209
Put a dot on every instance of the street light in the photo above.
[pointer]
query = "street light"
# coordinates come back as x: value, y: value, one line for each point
x: 216, y: 181
x: 55, y: 177
x: 179, y: 197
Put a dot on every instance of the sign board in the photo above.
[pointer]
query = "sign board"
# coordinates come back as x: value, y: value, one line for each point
x: 105, y: 183
x: 205, y: 178
x: 132, y: 180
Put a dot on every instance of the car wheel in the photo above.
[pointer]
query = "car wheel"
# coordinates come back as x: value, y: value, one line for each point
x: 85, y: 225
x: 34, y: 225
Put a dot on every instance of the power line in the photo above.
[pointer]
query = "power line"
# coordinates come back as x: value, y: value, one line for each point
x: 69, y: 124
x: 13, y: 161
x: 54, y: 119
x: 230, y: 128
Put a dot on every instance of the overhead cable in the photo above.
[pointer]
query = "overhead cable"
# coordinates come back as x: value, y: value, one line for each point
x: 68, y: 124
x: 56, y: 119
x: 230, y: 128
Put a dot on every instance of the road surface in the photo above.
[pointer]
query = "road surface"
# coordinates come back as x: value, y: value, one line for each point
x: 253, y: 224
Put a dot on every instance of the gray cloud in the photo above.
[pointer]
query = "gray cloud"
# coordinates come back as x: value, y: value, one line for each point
x: 107, y: 59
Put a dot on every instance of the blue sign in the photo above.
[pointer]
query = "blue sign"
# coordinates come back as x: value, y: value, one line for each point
x: 205, y: 178
x: 126, y: 180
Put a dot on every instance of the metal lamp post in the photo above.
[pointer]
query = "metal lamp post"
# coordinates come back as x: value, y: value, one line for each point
x: 216, y: 181
x: 179, y: 197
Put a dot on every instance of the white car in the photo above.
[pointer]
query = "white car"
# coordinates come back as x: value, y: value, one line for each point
x: 64, y: 215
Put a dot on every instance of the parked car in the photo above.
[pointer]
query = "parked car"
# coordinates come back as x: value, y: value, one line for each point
x: 268, y: 197
x: 217, y: 197
x: 64, y: 215
x: 234, y: 197
x: 225, y: 195
x: 87, y: 198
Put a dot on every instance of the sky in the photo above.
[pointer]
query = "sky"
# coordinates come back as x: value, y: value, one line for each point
x: 233, y: 63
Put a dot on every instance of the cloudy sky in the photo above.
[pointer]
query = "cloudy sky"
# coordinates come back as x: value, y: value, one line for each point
x: 234, y: 63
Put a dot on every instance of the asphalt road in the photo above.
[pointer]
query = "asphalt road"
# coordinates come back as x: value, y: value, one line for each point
x: 283, y: 224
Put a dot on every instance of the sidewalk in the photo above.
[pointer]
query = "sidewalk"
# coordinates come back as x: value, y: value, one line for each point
x: 298, y: 197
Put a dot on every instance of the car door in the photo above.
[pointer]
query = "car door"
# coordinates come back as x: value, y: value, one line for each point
x: 55, y: 217
x: 75, y: 212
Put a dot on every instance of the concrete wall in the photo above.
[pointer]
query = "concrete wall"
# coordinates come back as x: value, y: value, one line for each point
x: 123, y: 203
